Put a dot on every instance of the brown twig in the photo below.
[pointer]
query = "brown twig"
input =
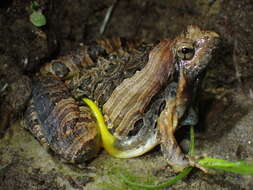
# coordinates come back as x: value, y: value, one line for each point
x: 107, y: 17
x: 235, y: 61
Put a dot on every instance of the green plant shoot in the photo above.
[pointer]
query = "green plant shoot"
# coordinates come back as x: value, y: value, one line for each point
x: 241, y: 167
x: 37, y: 18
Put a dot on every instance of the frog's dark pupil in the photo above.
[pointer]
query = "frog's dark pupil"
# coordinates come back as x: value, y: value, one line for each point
x: 187, y: 50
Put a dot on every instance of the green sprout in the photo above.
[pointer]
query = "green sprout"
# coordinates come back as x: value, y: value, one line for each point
x: 35, y: 5
x: 37, y: 18
x: 168, y: 183
x: 240, y: 167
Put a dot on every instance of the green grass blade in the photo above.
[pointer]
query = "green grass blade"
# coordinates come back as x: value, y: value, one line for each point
x: 192, y: 142
x: 240, y: 167
x: 168, y: 183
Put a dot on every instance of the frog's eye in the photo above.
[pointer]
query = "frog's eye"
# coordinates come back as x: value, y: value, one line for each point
x: 60, y: 69
x: 185, y: 52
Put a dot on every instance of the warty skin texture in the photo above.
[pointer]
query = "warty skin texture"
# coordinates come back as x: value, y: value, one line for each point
x: 163, y: 89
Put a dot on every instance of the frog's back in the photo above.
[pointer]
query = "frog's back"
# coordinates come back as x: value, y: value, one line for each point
x: 97, y: 69
x: 55, y: 118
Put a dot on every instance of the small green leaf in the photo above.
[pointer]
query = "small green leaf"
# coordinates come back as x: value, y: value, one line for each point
x: 240, y: 167
x: 38, y: 19
x: 35, y: 5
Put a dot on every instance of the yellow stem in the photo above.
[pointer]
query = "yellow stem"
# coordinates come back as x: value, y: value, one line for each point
x: 109, y: 141
x: 107, y: 138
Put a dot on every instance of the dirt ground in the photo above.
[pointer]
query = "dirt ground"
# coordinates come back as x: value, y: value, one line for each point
x: 225, y: 129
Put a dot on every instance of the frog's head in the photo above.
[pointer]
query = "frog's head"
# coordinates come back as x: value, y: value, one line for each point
x: 193, y: 50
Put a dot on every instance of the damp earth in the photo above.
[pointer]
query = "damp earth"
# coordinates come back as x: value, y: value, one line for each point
x: 225, y: 128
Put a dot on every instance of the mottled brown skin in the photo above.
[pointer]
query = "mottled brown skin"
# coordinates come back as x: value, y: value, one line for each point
x: 56, y: 119
x: 128, y: 101
x: 165, y: 83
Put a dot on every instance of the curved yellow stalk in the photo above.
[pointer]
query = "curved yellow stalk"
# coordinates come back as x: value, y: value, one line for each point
x: 109, y: 140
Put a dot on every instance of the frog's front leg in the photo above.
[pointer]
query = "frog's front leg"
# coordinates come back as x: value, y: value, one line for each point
x: 171, y: 118
x: 167, y: 124
x: 177, y: 112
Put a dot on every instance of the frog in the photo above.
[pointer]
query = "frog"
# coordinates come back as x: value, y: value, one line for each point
x: 146, y: 91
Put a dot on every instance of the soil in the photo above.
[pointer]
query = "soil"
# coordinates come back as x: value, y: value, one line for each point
x: 225, y: 129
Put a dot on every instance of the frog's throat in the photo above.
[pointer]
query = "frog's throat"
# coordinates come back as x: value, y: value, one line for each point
x: 110, y: 142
